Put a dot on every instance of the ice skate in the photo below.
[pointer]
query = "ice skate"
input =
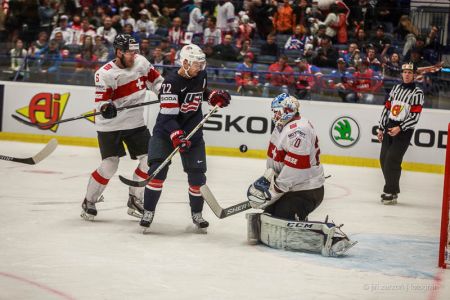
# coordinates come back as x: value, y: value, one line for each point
x: 146, y: 220
x: 389, y: 199
x: 89, y: 210
x: 199, y: 222
x: 135, y: 206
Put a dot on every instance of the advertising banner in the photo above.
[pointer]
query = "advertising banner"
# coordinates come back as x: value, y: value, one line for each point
x: 344, y: 130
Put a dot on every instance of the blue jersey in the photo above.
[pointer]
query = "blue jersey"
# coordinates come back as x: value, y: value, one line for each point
x: 181, y: 105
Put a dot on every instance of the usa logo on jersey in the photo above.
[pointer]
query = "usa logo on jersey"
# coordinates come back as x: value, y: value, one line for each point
x: 191, y: 102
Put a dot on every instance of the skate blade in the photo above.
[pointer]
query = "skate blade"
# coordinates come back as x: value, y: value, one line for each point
x: 389, y: 202
x: 134, y: 213
x: 86, y: 216
x: 145, y: 230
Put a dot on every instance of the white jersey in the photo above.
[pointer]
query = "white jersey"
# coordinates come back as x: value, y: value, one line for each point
x: 108, y: 34
x: 125, y: 87
x: 196, y: 21
x: 294, y: 155
x: 225, y: 16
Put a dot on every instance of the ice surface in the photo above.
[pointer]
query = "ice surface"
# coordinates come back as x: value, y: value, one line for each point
x: 48, y: 252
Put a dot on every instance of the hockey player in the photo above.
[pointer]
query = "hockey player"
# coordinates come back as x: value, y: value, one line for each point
x: 292, y: 187
x: 121, y: 82
x: 181, y: 97
x: 295, y: 176
x: 400, y: 115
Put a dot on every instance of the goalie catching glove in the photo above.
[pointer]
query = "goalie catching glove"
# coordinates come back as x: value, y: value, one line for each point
x: 219, y: 97
x: 264, y: 192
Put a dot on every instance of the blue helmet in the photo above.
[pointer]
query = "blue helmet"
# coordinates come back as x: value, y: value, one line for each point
x: 284, y: 108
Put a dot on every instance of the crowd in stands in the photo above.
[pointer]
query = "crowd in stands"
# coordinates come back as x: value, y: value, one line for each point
x: 353, y: 47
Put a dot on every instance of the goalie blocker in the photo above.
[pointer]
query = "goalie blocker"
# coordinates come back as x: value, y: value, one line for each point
x: 318, y: 237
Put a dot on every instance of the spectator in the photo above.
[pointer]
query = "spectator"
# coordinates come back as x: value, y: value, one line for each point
x: 341, y: 26
x: 350, y: 52
x: 163, y: 22
x: 270, y: 47
x: 261, y: 14
x: 212, y: 35
x: 115, y: 20
x: 327, y: 55
x: 107, y: 32
x: 159, y: 61
x: 330, y: 21
x: 176, y: 33
x: 144, y: 24
x: 298, y: 40
x: 66, y: 31
x: 49, y: 61
x: 284, y: 19
x: 364, y: 84
x: 196, y: 20
x: 167, y: 50
x: 279, y: 78
x: 309, y: 54
x: 40, y: 43
x: 300, y: 9
x: 86, y: 63
x: 144, y: 48
x: 340, y: 80
x: 361, y: 40
x: 380, y: 41
x: 417, y: 58
x: 245, y: 50
x: 18, y: 58
x: 418, y: 45
x: 128, y: 29
x: 126, y: 18
x: 225, y: 51
x: 372, y: 60
x: 100, y: 50
x: 245, y: 31
x: 59, y: 39
x: 318, y: 34
x: 407, y: 33
x: 225, y: 16
x: 306, y: 79
x: 386, y: 12
x: 75, y: 25
x: 355, y: 59
x: 362, y: 15
x: 46, y: 13
x: 247, y: 77
x: 391, y: 71
x: 86, y: 30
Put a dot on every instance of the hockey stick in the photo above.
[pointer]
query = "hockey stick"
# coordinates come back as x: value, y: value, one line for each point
x: 46, y: 151
x: 169, y: 158
x: 47, y: 125
x: 228, y: 211
x: 217, y: 209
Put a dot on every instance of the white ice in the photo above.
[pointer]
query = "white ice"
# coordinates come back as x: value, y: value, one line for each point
x: 48, y: 252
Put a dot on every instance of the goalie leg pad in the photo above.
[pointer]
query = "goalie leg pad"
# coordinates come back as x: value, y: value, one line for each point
x: 317, y: 237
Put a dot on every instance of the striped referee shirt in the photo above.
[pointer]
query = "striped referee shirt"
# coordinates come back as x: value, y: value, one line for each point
x: 403, y: 107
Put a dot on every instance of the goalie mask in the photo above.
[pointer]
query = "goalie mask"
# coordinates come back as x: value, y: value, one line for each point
x: 194, y: 56
x: 284, y: 108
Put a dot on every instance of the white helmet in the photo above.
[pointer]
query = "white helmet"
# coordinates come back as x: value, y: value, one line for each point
x: 192, y: 53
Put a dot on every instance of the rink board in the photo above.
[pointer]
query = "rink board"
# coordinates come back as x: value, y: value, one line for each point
x: 346, y: 131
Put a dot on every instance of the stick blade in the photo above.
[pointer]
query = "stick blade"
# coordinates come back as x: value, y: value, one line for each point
x: 48, y: 149
x: 132, y: 183
x: 211, y: 201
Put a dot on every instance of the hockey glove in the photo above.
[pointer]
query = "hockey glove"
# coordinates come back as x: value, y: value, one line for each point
x: 108, y: 110
x: 219, y: 97
x: 178, y: 138
x: 263, y: 192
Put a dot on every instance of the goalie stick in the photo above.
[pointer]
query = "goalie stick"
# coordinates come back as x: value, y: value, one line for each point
x: 169, y: 158
x: 220, y: 212
x: 48, y: 125
x: 217, y: 209
x: 46, y: 151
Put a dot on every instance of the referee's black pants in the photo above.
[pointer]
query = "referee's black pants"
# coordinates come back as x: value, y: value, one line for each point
x: 393, y: 148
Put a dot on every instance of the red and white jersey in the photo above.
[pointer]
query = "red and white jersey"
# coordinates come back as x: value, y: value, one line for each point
x: 294, y: 155
x: 125, y: 87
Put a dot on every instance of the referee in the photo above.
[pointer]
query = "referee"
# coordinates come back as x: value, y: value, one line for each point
x: 400, y: 115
